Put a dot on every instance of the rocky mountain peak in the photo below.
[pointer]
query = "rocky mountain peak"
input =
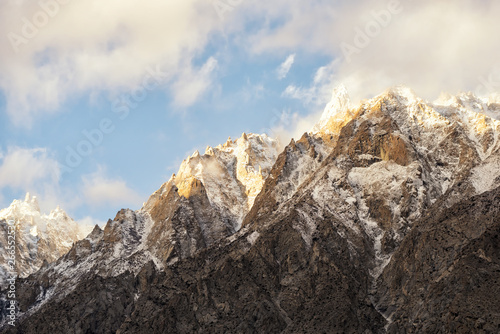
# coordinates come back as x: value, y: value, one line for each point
x: 340, y: 98
x: 231, y: 174
x: 209, y: 150
x: 196, y: 154
x: 95, y: 234
x: 40, y: 237
x: 30, y: 203
x: 59, y: 213
x: 336, y: 113
x: 228, y: 143
x: 404, y: 94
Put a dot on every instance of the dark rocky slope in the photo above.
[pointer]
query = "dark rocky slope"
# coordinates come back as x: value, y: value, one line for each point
x: 445, y: 276
x: 277, y: 284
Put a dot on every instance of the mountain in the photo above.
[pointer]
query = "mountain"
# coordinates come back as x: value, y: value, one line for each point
x: 383, y: 218
x: 209, y: 197
x: 40, y: 238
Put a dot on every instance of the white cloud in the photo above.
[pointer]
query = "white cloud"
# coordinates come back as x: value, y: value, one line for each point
x: 106, y: 45
x: 293, y: 125
x: 101, y: 191
x: 94, y: 46
x: 192, y: 83
x: 23, y: 169
x: 285, y: 67
x: 320, y: 90
x: 450, y: 52
x: 33, y: 170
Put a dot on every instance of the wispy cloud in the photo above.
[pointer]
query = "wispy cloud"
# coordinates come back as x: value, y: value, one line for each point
x: 285, y: 67
x: 100, y: 191
x: 192, y: 83
x: 319, y: 92
x: 32, y: 170
x: 23, y: 168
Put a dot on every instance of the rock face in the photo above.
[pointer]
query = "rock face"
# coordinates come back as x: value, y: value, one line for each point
x: 208, y: 198
x: 232, y: 175
x: 39, y: 238
x: 452, y: 283
x: 384, y: 218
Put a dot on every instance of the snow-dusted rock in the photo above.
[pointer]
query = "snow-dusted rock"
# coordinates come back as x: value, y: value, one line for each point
x: 39, y: 237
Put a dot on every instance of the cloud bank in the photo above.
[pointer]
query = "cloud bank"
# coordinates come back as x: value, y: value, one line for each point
x: 34, y: 170
x: 55, y: 49
x: 431, y: 46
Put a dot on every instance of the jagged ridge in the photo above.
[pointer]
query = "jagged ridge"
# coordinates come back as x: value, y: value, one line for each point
x: 39, y: 237
x: 344, y: 196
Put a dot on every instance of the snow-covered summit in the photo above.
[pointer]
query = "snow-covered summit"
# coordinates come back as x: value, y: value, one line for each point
x: 39, y: 237
x: 200, y: 205
x: 232, y: 174
x: 477, y: 116
x: 19, y: 208
x: 336, y: 111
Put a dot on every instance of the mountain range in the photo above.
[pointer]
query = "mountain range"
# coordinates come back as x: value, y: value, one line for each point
x: 384, y: 218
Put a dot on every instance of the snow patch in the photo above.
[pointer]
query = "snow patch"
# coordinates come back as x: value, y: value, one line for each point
x: 486, y: 176
x: 306, y: 227
x: 33, y: 231
x: 252, y: 238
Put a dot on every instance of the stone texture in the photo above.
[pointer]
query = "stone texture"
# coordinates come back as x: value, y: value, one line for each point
x: 445, y: 276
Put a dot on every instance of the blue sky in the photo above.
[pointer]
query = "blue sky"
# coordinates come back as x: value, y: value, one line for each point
x: 222, y: 68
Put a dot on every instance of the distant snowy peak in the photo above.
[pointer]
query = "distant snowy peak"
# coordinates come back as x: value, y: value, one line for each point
x: 59, y: 214
x: 19, y: 208
x: 32, y: 201
x: 39, y: 237
x: 28, y: 212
